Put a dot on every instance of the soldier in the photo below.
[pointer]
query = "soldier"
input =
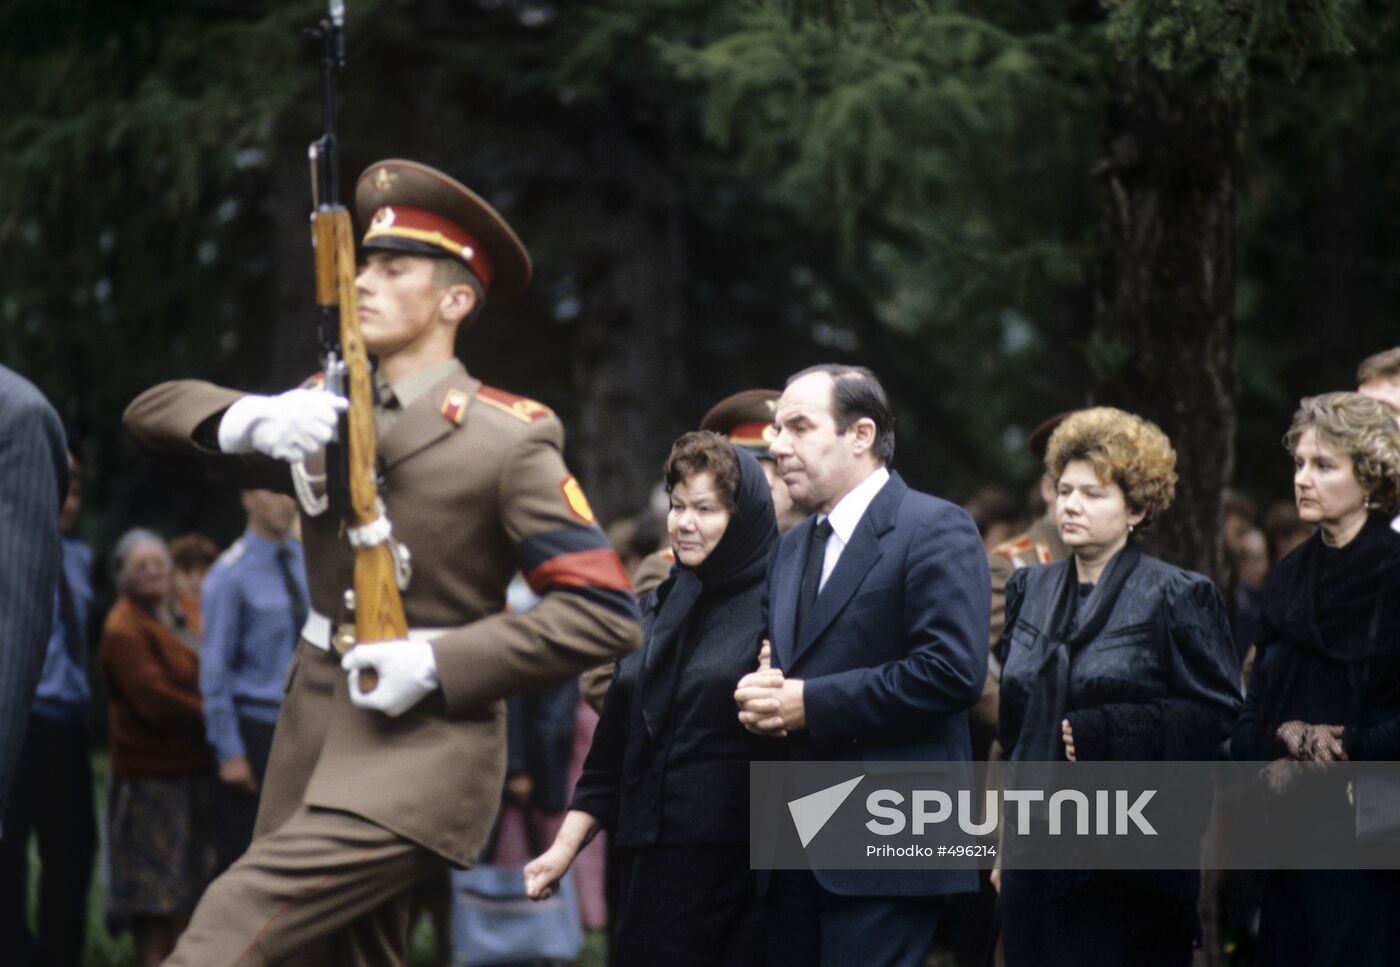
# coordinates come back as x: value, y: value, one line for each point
x: 368, y: 791
x: 1040, y: 544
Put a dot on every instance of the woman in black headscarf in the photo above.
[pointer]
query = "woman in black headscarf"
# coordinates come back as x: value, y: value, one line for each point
x: 668, y: 772
x: 1111, y: 655
x: 1326, y: 680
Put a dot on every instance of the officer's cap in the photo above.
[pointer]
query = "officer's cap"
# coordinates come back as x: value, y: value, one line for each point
x: 410, y: 207
x: 746, y: 419
x: 1039, y: 438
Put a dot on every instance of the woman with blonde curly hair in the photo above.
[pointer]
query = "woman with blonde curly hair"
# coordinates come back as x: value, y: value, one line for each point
x: 1326, y: 681
x: 1110, y: 655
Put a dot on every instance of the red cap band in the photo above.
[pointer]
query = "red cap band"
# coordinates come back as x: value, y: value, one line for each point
x: 420, y: 225
x: 752, y: 434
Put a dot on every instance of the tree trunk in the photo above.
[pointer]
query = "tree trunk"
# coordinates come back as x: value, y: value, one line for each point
x: 1164, y: 326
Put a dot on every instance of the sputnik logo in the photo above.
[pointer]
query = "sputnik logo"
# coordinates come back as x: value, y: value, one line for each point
x: 811, y: 812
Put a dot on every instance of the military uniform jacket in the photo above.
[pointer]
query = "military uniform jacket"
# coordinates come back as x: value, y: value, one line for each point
x: 476, y: 487
x: 1040, y: 544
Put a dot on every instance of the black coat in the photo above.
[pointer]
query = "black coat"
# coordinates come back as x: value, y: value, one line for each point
x: 1318, y: 658
x: 1329, y: 654
x: 1152, y: 675
x: 1158, y: 681
x: 669, y: 762
x: 693, y: 785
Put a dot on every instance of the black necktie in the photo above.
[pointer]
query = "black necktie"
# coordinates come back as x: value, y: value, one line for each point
x: 284, y: 564
x: 72, y: 627
x: 812, y: 574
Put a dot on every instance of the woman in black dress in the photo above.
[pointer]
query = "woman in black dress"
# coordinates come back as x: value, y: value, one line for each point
x: 668, y: 772
x: 1326, y: 679
x: 1110, y: 655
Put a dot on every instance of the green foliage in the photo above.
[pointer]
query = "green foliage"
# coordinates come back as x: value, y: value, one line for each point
x: 1220, y: 42
x: 941, y: 153
x: 135, y: 139
x: 905, y: 183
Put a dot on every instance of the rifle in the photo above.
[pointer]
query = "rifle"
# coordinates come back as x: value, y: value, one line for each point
x: 351, y: 459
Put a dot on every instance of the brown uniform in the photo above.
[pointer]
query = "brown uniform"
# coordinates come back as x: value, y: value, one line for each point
x: 476, y: 488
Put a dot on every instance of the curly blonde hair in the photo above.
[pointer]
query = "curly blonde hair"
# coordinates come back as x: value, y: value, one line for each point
x: 1365, y: 431
x: 1132, y: 452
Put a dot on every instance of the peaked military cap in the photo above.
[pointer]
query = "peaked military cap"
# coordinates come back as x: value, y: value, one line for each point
x: 746, y: 419
x: 409, y: 207
x: 1039, y: 438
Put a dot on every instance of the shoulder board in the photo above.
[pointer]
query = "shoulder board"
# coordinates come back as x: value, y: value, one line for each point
x: 525, y: 410
x: 1014, y: 547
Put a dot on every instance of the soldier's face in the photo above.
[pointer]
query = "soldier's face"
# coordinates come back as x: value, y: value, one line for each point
x: 399, y: 303
x: 782, y: 500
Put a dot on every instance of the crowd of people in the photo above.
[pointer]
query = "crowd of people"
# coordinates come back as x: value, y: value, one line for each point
x: 800, y: 601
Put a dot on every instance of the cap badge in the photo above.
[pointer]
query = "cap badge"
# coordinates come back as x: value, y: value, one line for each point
x: 382, y: 219
x: 769, y: 433
x: 383, y: 179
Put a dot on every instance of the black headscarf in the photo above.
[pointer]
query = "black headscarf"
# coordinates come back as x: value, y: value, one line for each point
x: 738, y: 561
x: 1331, y: 617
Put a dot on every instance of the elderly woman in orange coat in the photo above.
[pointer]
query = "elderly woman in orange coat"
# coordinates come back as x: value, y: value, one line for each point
x: 159, y: 829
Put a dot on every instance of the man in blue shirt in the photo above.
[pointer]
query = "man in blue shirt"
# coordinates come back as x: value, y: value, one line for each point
x: 52, y: 791
x: 254, y: 604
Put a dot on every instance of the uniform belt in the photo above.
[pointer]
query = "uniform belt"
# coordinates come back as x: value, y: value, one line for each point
x: 317, y: 631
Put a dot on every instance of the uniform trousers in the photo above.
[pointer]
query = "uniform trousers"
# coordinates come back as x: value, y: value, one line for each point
x: 317, y: 886
x: 52, y: 795
x: 326, y: 887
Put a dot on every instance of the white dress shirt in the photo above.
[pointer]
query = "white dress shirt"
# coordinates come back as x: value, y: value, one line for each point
x: 845, y: 516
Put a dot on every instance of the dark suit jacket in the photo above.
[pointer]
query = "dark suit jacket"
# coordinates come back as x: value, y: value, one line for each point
x: 33, y: 482
x: 893, y: 654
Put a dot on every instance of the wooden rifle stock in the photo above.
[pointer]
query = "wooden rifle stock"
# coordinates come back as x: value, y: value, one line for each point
x: 379, y: 614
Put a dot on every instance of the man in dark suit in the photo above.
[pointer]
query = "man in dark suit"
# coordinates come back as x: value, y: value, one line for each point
x: 877, y: 615
x: 33, y: 483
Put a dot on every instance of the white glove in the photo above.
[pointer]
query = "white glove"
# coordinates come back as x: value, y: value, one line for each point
x: 407, y: 671
x: 288, y: 427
